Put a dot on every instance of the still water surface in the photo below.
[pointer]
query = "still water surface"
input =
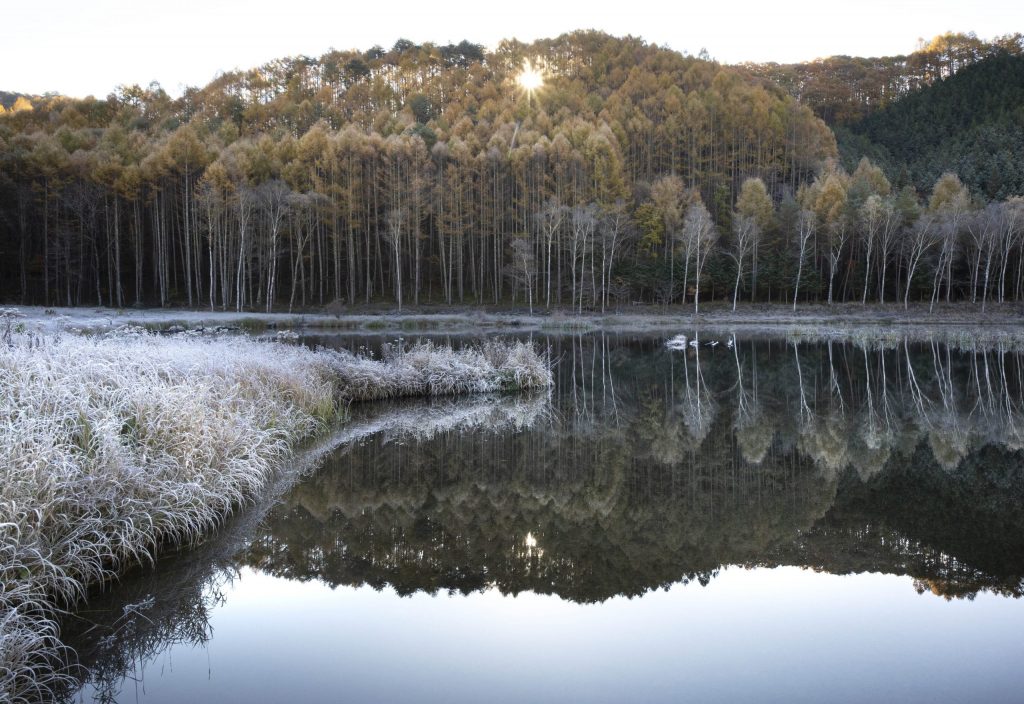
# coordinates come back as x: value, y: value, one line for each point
x: 756, y: 520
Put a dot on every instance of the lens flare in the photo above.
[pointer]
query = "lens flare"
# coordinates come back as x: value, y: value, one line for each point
x: 530, y: 78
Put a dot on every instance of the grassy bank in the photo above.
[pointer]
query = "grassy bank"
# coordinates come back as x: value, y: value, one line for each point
x: 113, y: 446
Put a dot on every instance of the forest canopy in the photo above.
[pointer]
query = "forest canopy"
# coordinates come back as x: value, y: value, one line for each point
x: 426, y: 173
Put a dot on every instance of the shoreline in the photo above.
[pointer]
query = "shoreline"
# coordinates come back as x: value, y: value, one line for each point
x: 481, y: 320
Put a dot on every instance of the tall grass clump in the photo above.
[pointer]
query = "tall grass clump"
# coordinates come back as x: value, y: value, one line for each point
x: 426, y: 369
x: 112, y: 447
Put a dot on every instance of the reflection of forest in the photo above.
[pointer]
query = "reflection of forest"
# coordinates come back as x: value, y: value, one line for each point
x: 660, y: 466
x: 652, y: 467
x: 124, y: 628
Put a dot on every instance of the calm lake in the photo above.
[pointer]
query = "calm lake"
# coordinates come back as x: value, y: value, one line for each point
x: 748, y: 519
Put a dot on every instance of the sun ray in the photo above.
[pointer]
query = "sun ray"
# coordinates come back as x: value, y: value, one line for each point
x: 531, y: 78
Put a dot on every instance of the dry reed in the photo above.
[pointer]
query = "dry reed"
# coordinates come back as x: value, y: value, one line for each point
x: 113, y: 446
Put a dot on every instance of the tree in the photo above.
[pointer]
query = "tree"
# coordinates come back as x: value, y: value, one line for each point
x: 872, y: 216
x: 988, y: 228
x: 867, y: 188
x: 921, y: 237
x: 397, y: 220
x: 273, y: 198
x: 549, y: 220
x: 1013, y: 211
x: 806, y: 223
x: 754, y: 203
x: 583, y: 223
x: 827, y: 198
x: 701, y: 234
x: 524, y: 266
x: 745, y: 232
x: 21, y: 104
x: 951, y: 201
x: 667, y: 199
x: 616, y: 230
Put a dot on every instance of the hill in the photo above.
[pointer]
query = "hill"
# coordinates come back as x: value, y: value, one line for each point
x: 581, y: 171
x: 845, y: 89
x: 971, y: 122
x: 436, y: 158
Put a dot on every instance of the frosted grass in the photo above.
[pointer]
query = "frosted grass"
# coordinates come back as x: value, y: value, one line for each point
x: 111, y: 447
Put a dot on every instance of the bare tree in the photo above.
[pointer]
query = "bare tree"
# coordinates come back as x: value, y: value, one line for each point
x: 700, y: 234
x: 1013, y: 210
x: 581, y: 235
x: 616, y: 228
x: 920, y: 237
x: 888, y: 235
x: 990, y: 226
x: 806, y: 223
x: 549, y: 219
x: 273, y: 199
x: 244, y: 201
x: 951, y: 200
x: 747, y: 233
x: 871, y: 217
x: 396, y: 223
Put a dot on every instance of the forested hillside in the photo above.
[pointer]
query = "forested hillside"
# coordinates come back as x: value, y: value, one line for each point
x: 971, y: 123
x: 844, y: 89
x: 14, y: 102
x: 585, y: 171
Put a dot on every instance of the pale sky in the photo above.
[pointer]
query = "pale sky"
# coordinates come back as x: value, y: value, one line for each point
x: 81, y: 47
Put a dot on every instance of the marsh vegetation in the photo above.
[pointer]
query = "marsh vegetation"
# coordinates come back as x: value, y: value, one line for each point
x: 115, y: 447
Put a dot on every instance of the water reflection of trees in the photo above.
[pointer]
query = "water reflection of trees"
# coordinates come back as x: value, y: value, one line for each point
x: 648, y: 467
x: 661, y: 466
x: 124, y: 629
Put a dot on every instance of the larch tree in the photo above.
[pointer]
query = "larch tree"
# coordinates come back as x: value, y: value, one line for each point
x: 755, y: 203
x: 667, y: 199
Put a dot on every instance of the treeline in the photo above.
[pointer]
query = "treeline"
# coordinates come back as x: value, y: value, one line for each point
x: 427, y: 174
x: 418, y: 173
x: 845, y: 89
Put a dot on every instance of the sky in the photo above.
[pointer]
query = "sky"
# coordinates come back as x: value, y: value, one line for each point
x: 89, y: 47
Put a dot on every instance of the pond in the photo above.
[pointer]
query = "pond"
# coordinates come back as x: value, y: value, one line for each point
x: 744, y: 519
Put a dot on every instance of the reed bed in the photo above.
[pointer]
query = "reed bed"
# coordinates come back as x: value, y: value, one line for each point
x: 111, y: 447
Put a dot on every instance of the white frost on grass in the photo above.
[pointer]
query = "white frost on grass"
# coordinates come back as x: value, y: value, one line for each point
x: 112, y: 446
x: 429, y: 370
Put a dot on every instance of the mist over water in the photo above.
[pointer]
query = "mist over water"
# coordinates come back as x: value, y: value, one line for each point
x: 740, y: 519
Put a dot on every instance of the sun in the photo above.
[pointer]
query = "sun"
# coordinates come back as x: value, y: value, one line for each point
x: 530, y: 78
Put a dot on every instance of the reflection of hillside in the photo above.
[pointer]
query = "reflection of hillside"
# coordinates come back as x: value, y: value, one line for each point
x: 662, y: 466
x: 447, y: 533
x: 956, y: 533
x: 381, y: 514
x: 646, y: 467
